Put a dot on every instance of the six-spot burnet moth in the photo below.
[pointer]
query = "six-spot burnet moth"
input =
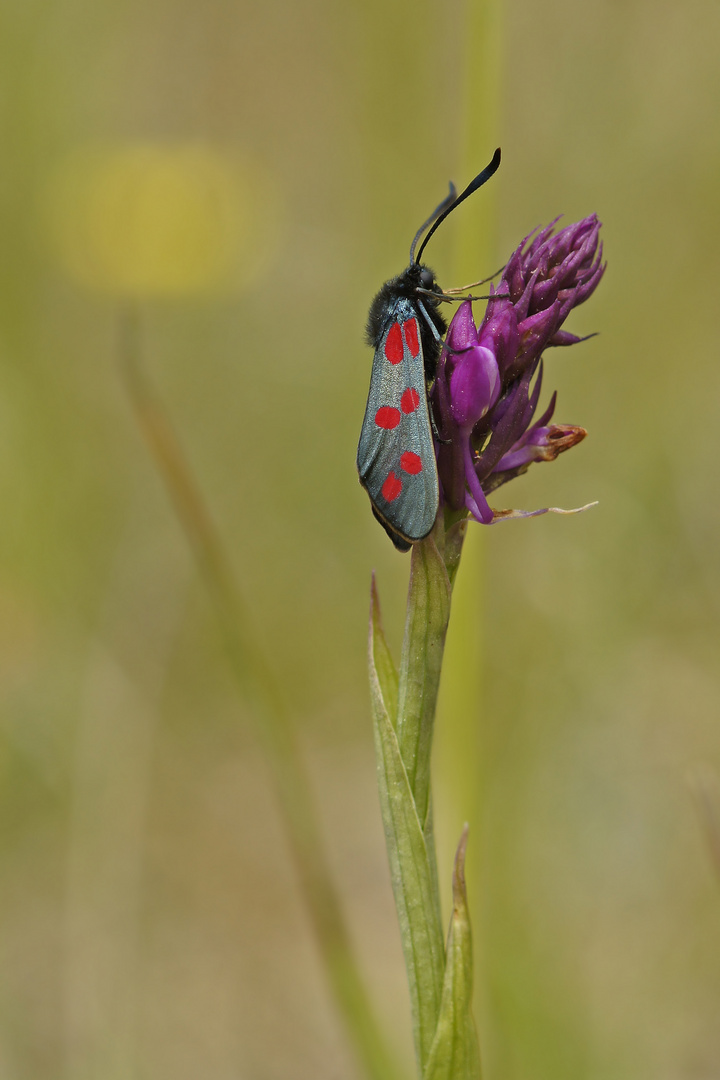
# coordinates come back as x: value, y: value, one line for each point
x: 396, y: 455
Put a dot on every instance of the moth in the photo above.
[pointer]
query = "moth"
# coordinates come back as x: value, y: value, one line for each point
x: 396, y: 454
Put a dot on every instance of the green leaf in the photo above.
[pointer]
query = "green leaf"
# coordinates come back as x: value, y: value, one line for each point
x: 454, y: 1054
x: 410, y: 868
x: 380, y: 656
x: 429, y: 834
x: 428, y: 612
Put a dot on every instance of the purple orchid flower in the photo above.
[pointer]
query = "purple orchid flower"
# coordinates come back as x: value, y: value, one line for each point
x: 484, y: 397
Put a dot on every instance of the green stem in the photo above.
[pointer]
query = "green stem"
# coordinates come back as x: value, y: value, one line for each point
x: 403, y: 714
x: 273, y: 727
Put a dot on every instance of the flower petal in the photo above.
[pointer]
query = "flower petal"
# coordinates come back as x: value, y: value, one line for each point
x: 474, y: 386
x: 462, y: 333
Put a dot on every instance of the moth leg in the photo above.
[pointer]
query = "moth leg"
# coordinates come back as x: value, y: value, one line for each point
x: 428, y: 320
x: 433, y: 425
x: 446, y: 299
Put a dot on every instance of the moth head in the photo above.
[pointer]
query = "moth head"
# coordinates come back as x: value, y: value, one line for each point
x: 427, y: 278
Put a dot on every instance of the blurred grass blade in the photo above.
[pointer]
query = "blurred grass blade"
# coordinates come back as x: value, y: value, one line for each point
x: 428, y: 611
x: 705, y: 788
x: 272, y: 723
x: 384, y: 664
x: 412, y: 876
x: 455, y: 1054
x: 461, y: 759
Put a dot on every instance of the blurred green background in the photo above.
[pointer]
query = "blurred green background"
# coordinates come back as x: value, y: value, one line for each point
x: 246, y: 175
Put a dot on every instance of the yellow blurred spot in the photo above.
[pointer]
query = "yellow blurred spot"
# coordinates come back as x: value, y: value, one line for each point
x: 150, y: 219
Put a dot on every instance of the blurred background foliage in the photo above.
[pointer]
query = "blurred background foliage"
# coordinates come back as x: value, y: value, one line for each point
x: 246, y: 175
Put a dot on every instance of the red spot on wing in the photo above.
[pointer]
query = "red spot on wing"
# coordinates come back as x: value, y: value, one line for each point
x: 411, y: 463
x: 410, y: 400
x: 387, y: 417
x: 392, y: 487
x: 394, y: 344
x: 411, y: 336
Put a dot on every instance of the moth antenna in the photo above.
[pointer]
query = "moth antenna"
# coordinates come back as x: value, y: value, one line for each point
x: 447, y: 202
x: 445, y: 298
x: 474, y: 284
x: 479, y: 180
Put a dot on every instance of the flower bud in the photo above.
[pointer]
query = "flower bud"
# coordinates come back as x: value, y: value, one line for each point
x: 484, y: 397
x: 474, y: 385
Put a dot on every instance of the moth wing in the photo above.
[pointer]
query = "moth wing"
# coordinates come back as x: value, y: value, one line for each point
x: 396, y: 455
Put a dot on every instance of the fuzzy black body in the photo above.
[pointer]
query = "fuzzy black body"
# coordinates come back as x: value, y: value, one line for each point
x: 396, y: 455
x: 406, y: 284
